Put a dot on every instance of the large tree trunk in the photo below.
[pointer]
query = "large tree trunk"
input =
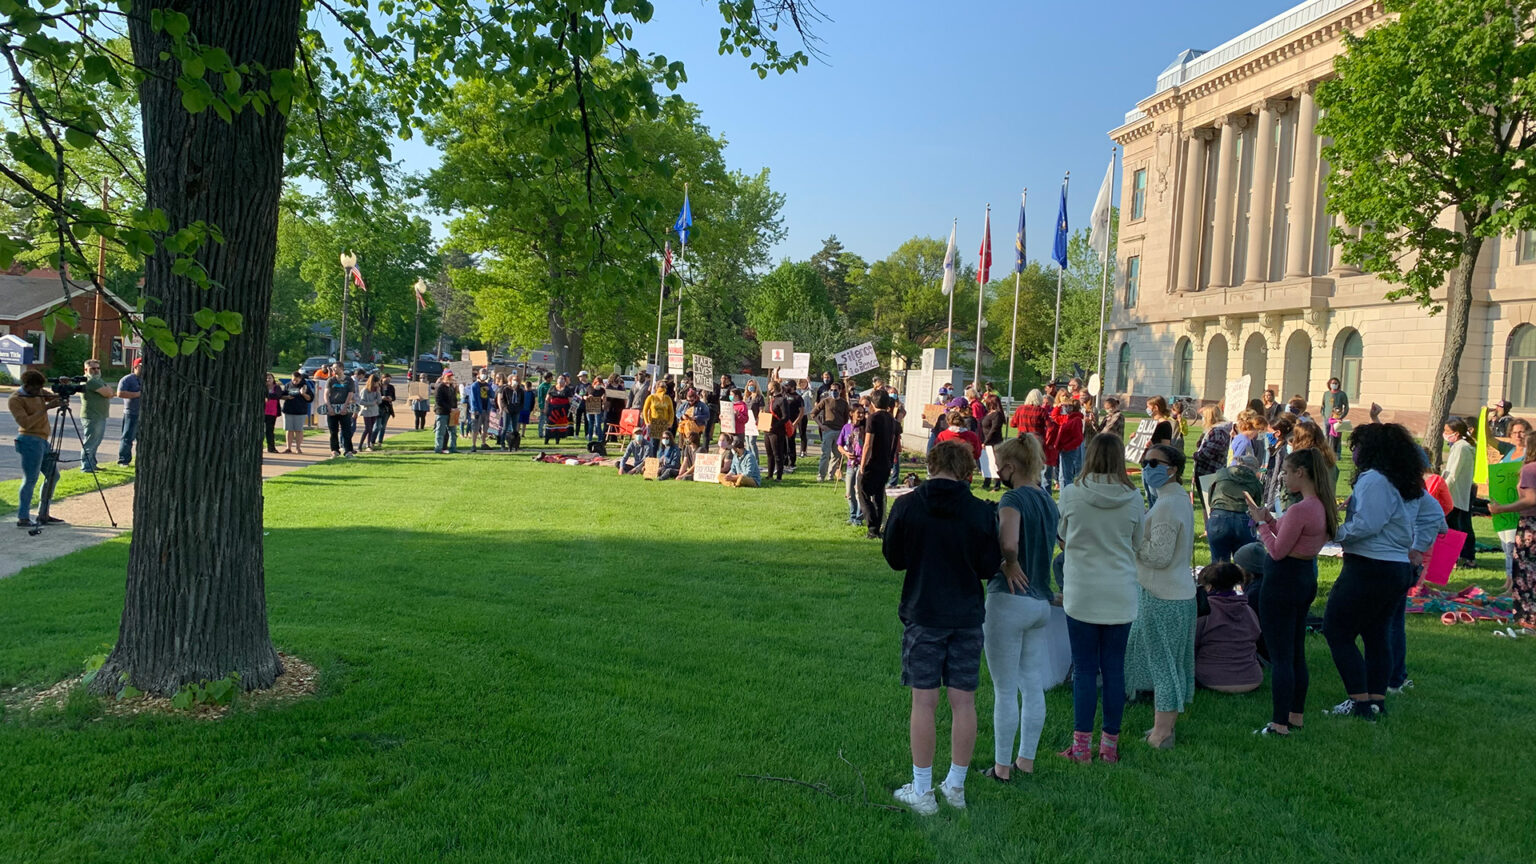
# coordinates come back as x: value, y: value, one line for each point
x: 196, y: 596
x: 565, y: 340
x: 1458, y: 312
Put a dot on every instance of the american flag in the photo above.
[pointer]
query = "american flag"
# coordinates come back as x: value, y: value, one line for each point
x: 666, y: 261
x: 357, y: 279
x: 421, y: 300
x: 984, y: 275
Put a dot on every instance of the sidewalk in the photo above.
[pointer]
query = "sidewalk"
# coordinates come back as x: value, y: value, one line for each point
x: 88, y: 524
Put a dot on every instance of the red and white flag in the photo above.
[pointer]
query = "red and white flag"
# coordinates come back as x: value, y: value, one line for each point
x: 666, y: 261
x: 421, y: 300
x: 357, y: 279
x: 984, y: 274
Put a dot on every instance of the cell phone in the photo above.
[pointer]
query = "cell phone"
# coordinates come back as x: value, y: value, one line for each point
x: 1250, y: 500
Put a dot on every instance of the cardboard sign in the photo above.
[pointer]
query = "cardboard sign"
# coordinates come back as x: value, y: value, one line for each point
x: 778, y: 354
x: 706, y: 468
x: 800, y: 368
x: 478, y: 359
x: 765, y: 420
x: 931, y: 415
x: 1503, y: 487
x: 493, y: 423
x: 1443, y: 555
x: 1207, y: 482
x: 652, y: 467
x: 674, y: 356
x: 1236, y: 396
x: 462, y: 370
x: 594, y: 404
x: 418, y: 390
x: 1140, y: 441
x: 703, y: 373
x: 859, y: 358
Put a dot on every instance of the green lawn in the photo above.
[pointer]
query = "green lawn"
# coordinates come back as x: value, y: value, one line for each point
x: 72, y: 481
x: 527, y: 662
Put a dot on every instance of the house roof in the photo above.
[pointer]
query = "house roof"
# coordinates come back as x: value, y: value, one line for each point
x: 26, y: 294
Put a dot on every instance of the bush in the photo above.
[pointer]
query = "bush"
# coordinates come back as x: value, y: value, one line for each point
x: 68, y: 356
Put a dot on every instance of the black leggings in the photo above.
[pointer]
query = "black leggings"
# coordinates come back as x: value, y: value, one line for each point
x: 872, y: 495
x: 421, y: 420
x: 1361, y: 605
x: 271, y: 433
x: 1461, y: 520
x: 777, y: 445
x: 1289, y: 587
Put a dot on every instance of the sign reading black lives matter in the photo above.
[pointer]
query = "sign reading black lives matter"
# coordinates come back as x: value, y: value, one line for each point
x: 778, y: 354
x: 1137, y: 446
x: 703, y: 372
x: 859, y: 358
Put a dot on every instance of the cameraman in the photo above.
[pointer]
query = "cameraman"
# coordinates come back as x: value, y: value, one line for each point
x: 98, y: 408
x: 30, y: 406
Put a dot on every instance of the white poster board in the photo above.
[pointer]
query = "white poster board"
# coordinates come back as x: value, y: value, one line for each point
x: 674, y: 356
x: 706, y: 468
x: 703, y: 372
x: 1236, y: 397
x: 859, y: 358
x: 800, y: 367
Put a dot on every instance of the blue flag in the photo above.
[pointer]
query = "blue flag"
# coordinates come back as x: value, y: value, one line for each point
x: 684, y: 220
x: 1060, y: 252
x: 1018, y: 241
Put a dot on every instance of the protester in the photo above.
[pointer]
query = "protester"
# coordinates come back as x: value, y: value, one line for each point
x: 509, y: 404
x: 831, y: 414
x: 1113, y: 422
x: 1245, y: 437
x: 546, y: 385
x: 1211, y: 449
x: 1226, y: 639
x: 1519, y: 430
x: 744, y: 467
x: 1160, y: 650
x: 657, y: 414
x: 1018, y: 606
x: 947, y: 542
x: 793, y: 409
x: 557, y: 410
x: 272, y: 406
x: 692, y: 416
x: 1307, y: 435
x: 1378, y: 536
x: 317, y: 385
x: 340, y: 396
x: 1271, y: 408
x: 1227, y: 527
x: 1459, y: 467
x: 30, y: 405
x: 781, y: 431
x: 850, y: 445
x: 445, y: 404
x: 369, y: 398
x: 1290, y: 582
x: 807, y: 405
x: 1066, y: 437
x: 991, y: 430
x: 1157, y: 410
x: 386, y: 411
x: 614, y: 396
x: 420, y: 406
x: 594, y: 407
x: 958, y: 429
x: 1274, y: 478
x: 880, y: 443
x: 1101, y: 527
x: 297, y: 399
x: 130, y: 390
x: 1336, y: 406
x: 1522, y: 579
x: 670, y: 457
x: 633, y: 460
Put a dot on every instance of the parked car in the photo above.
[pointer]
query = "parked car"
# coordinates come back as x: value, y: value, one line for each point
x: 429, y: 368
x: 313, y: 364
x: 366, y: 368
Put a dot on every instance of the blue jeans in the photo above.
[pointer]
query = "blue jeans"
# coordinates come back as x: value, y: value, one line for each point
x: 446, y: 438
x: 95, y: 431
x: 1097, y: 648
x: 31, y: 449
x: 378, y: 430
x: 130, y: 432
x: 851, y: 485
x: 1071, y: 463
x: 1227, y: 532
x: 594, y: 427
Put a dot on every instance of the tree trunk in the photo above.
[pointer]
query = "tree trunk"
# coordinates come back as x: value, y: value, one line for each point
x: 195, y: 603
x: 565, y: 340
x: 1458, y: 312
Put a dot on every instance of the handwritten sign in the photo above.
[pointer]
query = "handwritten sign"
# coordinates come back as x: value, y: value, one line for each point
x: 1236, y: 396
x: 1443, y: 555
x: 674, y: 356
x: 703, y: 372
x: 931, y: 415
x: 1137, y: 446
x: 652, y: 468
x: 706, y: 468
x: 1503, y: 487
x: 778, y: 354
x: 800, y: 367
x: 418, y: 390
x: 859, y: 358
x: 988, y: 465
x: 478, y: 359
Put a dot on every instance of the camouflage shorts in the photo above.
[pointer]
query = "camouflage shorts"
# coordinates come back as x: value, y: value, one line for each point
x: 939, y: 656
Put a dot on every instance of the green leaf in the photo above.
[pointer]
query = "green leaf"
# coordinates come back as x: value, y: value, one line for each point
x: 204, y: 317
x: 166, y: 342
x: 129, y: 692
x: 176, y: 24
x: 190, y: 343
x: 231, y: 321
x: 183, y: 699
x: 194, y: 67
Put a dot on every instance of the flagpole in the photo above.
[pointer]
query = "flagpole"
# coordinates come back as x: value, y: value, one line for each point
x: 1104, y: 286
x: 1060, y: 272
x: 981, y: 291
x: 1013, y: 340
x: 661, y: 295
x: 949, y: 330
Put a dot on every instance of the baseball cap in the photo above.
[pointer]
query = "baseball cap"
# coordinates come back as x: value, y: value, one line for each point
x: 1251, y: 558
x: 138, y: 362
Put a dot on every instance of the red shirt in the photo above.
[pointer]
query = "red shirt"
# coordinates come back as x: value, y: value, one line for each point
x: 1031, y: 419
x: 1067, y: 430
x: 1434, y: 484
x: 966, y: 435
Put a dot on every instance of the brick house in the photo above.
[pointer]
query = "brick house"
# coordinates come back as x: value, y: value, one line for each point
x: 27, y: 296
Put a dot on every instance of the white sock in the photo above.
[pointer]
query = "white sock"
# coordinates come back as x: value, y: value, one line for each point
x: 922, y: 780
x: 956, y: 779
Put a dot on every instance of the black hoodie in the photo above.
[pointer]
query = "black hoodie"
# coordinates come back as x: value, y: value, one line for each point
x: 946, y: 540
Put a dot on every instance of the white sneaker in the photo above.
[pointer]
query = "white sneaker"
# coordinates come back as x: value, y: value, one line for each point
x: 922, y: 805
x: 953, y: 797
x: 1396, y: 691
x: 1342, y: 709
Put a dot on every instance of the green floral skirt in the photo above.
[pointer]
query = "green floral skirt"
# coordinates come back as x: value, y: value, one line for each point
x: 1160, y: 655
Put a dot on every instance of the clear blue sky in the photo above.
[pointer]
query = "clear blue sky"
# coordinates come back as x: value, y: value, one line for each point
x: 925, y: 111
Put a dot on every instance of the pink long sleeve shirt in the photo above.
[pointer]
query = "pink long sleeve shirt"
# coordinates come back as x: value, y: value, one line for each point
x: 1299, y: 533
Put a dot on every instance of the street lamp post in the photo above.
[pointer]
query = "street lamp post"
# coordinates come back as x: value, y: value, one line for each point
x: 421, y: 293
x: 348, y: 261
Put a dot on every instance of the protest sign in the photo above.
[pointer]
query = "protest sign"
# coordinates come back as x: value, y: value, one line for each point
x: 493, y: 423
x: 1503, y: 483
x: 931, y: 415
x: 703, y: 372
x: 1443, y: 555
x: 674, y: 356
x: 706, y: 468
x: 461, y: 370
x: 418, y: 390
x: 652, y: 467
x: 1137, y: 446
x: 778, y: 354
x: 800, y: 367
x: 859, y: 358
x: 1095, y: 384
x: 593, y: 404
x: 765, y: 419
x: 1236, y: 396
x: 478, y: 359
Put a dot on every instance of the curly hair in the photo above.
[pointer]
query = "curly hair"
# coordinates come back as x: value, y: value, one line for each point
x: 1390, y: 451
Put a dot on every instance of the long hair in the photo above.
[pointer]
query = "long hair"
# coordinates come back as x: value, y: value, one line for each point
x: 1033, y: 398
x: 1390, y: 451
x: 1210, y: 415
x: 1106, y: 458
x: 1309, y: 435
x: 1024, y: 453
x: 1311, y: 461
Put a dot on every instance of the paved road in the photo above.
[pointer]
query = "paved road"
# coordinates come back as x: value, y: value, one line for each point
x: 10, y: 463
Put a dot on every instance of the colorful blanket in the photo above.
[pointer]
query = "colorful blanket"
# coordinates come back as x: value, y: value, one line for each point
x: 1473, y: 601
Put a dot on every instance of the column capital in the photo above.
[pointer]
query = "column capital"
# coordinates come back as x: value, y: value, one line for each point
x: 1236, y: 121
x: 1201, y: 133
x: 1305, y: 89
x: 1277, y: 105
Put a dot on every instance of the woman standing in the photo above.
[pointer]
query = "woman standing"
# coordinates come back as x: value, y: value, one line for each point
x: 991, y: 432
x: 1019, y: 597
x: 1228, y: 528
x: 1211, y: 450
x: 1290, y: 583
x: 509, y: 401
x: 1309, y: 436
x: 386, y: 409
x: 1067, y: 424
x: 420, y: 406
x: 658, y: 414
x: 960, y: 430
x: 1100, y: 528
x: 273, y: 406
x: 370, y: 398
x: 1160, y: 653
x: 297, y: 399
x: 557, y: 410
x: 850, y: 443
x: 1274, y: 478
x: 1458, y: 478
x: 1157, y: 409
x: 1522, y: 580
x: 781, y: 432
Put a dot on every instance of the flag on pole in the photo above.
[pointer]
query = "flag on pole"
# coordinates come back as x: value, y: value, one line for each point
x: 357, y: 278
x: 1059, y: 254
x: 984, y: 257
x: 1098, y: 234
x: 421, y: 300
x: 666, y: 260
x: 1018, y: 240
x: 684, y: 221
x: 949, y: 263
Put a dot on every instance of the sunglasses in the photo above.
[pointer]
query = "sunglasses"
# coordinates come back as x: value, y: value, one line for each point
x: 1151, y: 463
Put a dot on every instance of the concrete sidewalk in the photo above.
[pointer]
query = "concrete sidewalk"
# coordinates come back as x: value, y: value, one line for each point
x: 88, y: 524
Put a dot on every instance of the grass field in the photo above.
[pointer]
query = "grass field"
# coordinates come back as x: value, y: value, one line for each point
x: 527, y: 662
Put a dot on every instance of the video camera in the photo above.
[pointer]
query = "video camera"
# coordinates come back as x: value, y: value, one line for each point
x: 67, y: 386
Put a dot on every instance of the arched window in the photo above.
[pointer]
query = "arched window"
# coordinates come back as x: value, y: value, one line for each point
x: 1183, y: 368
x: 1522, y: 367
x: 1216, y: 368
x: 1348, y: 368
x: 1123, y: 368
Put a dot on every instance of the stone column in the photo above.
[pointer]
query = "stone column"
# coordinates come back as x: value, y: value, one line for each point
x: 1261, y: 204
x: 1340, y: 268
x: 1303, y: 187
x: 1193, y: 227
x: 1226, y: 194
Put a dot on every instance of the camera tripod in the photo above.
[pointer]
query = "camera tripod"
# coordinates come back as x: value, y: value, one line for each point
x: 51, y: 462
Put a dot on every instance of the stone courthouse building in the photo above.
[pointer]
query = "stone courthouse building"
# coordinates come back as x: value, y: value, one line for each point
x: 1225, y: 267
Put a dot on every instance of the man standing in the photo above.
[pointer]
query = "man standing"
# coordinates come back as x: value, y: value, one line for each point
x: 482, y: 399
x: 826, y: 384
x: 831, y: 416
x: 946, y: 540
x: 445, y: 401
x: 880, y: 433
x: 641, y: 390
x: 130, y: 389
x: 98, y: 409
x: 30, y: 406
x: 544, y: 386
x: 340, y: 396
x: 579, y: 408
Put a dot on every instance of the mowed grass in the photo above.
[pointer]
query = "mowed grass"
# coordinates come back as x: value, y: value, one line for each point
x: 528, y: 662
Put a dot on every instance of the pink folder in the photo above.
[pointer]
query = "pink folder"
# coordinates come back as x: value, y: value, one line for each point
x: 1442, y: 556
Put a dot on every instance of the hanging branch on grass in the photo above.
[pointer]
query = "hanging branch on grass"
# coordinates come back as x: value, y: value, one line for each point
x: 826, y: 790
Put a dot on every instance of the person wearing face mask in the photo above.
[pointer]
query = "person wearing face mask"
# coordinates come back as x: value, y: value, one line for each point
x: 1018, y: 607
x: 1336, y: 404
x: 1160, y: 653
x: 670, y: 456
x: 1459, y: 465
x: 831, y: 414
x: 1279, y: 447
x: 850, y: 445
x: 733, y: 417
x: 1068, y: 422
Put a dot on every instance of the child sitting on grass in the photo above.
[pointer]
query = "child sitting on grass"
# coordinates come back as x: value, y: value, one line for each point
x: 1226, y: 640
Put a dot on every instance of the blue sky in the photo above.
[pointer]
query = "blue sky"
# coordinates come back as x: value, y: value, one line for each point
x: 925, y: 111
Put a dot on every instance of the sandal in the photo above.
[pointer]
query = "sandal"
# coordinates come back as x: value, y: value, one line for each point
x: 991, y: 773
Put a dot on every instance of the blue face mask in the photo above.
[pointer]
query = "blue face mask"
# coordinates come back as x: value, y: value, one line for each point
x: 1155, y: 476
x: 1269, y: 437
